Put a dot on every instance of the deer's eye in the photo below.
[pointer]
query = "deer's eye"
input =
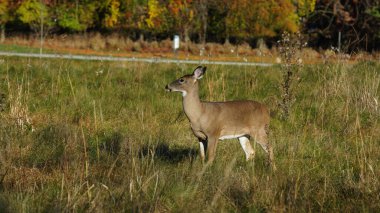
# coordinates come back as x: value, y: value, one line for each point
x: 181, y: 80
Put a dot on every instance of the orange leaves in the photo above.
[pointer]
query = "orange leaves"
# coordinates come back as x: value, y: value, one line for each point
x: 258, y: 18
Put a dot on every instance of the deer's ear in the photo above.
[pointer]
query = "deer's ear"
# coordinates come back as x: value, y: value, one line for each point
x: 199, y: 72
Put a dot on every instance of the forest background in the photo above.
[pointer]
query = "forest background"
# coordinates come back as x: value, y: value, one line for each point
x: 258, y: 23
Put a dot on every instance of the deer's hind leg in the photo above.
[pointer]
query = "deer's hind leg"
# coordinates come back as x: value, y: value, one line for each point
x: 261, y: 138
x: 246, y: 145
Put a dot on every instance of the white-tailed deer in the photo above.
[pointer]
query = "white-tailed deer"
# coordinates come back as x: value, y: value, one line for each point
x: 214, y: 121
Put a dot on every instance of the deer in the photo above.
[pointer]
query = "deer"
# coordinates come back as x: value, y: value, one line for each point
x: 214, y: 121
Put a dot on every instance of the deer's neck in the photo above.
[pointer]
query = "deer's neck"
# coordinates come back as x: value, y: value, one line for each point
x: 192, y: 105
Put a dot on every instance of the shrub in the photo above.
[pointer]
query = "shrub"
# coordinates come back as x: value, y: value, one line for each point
x: 97, y: 42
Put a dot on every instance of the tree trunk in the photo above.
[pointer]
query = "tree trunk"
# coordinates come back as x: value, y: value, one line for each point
x: 186, y: 34
x: 227, y: 40
x: 2, y: 37
x: 141, y: 37
x: 186, y: 37
x: 204, y: 15
x: 41, y: 30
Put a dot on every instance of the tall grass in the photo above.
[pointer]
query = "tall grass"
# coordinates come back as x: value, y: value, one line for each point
x: 102, y: 137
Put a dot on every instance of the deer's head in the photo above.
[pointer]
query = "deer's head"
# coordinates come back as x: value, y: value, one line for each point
x: 186, y: 83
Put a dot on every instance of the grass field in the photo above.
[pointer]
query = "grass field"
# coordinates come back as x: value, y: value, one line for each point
x: 106, y: 137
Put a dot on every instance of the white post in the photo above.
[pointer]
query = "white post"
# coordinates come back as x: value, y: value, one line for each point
x: 175, y: 44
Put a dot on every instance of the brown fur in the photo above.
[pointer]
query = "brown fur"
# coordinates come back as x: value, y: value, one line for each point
x: 210, y: 121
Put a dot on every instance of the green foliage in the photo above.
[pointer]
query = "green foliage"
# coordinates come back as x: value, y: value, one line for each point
x: 68, y: 18
x: 33, y: 13
x: 75, y: 17
x: 305, y: 7
x: 374, y: 11
x: 4, y: 15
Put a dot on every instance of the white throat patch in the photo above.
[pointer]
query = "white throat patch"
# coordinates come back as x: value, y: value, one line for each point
x: 184, y: 93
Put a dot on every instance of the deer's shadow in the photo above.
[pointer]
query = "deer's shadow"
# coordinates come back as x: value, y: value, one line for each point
x: 163, y: 152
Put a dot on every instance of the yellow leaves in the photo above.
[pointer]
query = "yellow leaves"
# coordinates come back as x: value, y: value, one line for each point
x: 305, y: 7
x: 153, y: 12
x: 112, y: 13
x: 3, y: 6
x: 259, y: 18
x: 3, y: 11
x: 191, y: 14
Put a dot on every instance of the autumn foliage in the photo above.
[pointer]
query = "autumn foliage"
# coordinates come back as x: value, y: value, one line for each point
x: 202, y: 20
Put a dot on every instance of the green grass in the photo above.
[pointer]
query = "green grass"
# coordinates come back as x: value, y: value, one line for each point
x: 104, y: 137
x: 18, y: 48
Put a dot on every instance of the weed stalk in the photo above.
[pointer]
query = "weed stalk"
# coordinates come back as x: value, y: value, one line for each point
x: 289, y: 47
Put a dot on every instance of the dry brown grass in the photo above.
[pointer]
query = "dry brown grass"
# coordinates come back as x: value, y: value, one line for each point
x: 117, y: 45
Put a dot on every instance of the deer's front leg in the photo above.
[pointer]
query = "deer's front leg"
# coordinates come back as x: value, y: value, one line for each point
x: 202, y: 143
x: 202, y: 148
x: 211, y: 149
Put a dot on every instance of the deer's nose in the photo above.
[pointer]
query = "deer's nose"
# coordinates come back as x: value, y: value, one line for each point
x: 167, y: 88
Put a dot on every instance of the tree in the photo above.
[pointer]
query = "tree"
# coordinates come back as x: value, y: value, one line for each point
x: 109, y: 10
x: 4, y: 17
x: 259, y: 19
x: 374, y: 12
x: 202, y: 12
x: 156, y: 20
x: 237, y: 20
x: 133, y: 16
x: 75, y: 16
x: 216, y: 22
x: 183, y: 15
x: 305, y: 7
x: 271, y: 18
x: 356, y: 20
x: 34, y: 13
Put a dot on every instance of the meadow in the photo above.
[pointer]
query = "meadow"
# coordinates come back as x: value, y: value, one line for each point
x: 79, y: 136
